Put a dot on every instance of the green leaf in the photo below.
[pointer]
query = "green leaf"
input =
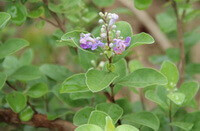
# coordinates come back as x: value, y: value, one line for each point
x: 81, y: 95
x: 193, y: 68
x: 113, y: 110
x: 18, y: 13
x: 190, y: 89
x: 55, y: 72
x: 182, y: 125
x: 75, y: 83
x: 16, y: 101
x: 143, y: 77
x: 58, y: 114
x: 36, y: 13
x: 103, y: 3
x: 144, y: 118
x: 173, y: 54
x: 26, y: 114
x: 88, y: 127
x: 134, y: 65
x: 98, y: 80
x: 4, y: 18
x: 27, y: 57
x: 37, y: 90
x: 26, y: 73
x: 177, y: 98
x: 3, y: 78
x: 171, y: 72
x: 142, y: 4
x: 151, y: 95
x: 81, y: 117
x: 125, y: 127
x: 125, y: 104
x: 125, y: 28
x: 121, y: 10
x: 109, y: 124
x: 11, y: 46
x: 141, y: 39
x: 98, y: 118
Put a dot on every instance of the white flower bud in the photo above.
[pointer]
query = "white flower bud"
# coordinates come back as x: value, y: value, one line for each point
x: 103, y: 35
x: 98, y: 38
x: 93, y: 62
x: 101, y: 64
x: 114, y: 26
x: 101, y: 14
x: 106, y: 13
x: 103, y: 26
x: 100, y: 21
x: 103, y: 30
x: 111, y: 45
x: 118, y: 32
x: 105, y: 52
x: 101, y: 53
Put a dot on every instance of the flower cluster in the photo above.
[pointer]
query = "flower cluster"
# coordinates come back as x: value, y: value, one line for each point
x: 109, y: 40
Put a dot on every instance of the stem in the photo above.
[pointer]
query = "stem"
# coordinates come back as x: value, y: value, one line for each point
x: 55, y: 16
x: 14, y: 88
x: 48, y: 21
x: 170, y: 115
x: 142, y: 99
x: 46, y: 103
x: 180, y: 32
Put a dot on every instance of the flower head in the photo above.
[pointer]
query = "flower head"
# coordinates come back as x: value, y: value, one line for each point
x: 87, y: 42
x: 120, y: 45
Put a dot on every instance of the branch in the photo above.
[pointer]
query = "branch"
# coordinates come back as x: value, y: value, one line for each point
x: 38, y: 120
x: 149, y: 23
x: 48, y: 21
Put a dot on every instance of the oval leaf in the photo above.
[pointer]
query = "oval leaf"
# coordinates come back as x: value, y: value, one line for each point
x: 142, y: 4
x: 103, y: 3
x: 4, y: 18
x: 177, y: 98
x: 37, y: 90
x: 88, y: 127
x: 26, y: 114
x: 2, y: 79
x: 126, y: 128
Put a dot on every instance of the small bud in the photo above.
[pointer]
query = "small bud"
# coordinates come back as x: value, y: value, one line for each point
x: 106, y: 13
x: 101, y: 14
x: 105, y: 52
x: 93, y: 63
x: 101, y: 64
x: 101, y: 21
x: 114, y: 26
x: 101, y: 53
x: 98, y: 38
x: 103, y: 30
x: 118, y: 32
x: 103, y: 26
x: 103, y: 35
x: 111, y: 45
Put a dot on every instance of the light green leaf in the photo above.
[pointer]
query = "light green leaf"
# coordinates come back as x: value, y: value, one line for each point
x: 103, y: 3
x: 125, y: 28
x: 81, y: 117
x: 55, y: 72
x: 109, y: 124
x: 3, y: 78
x: 142, y: 4
x: 37, y: 90
x: 171, y: 72
x: 98, y: 80
x: 125, y: 127
x: 58, y: 114
x: 36, y: 13
x: 18, y: 13
x: 11, y: 46
x: 190, y: 89
x: 141, y: 39
x: 183, y: 125
x: 16, y: 101
x: 144, y: 118
x: 113, y: 110
x: 98, y: 118
x: 26, y: 114
x: 74, y: 83
x: 4, y: 18
x: 177, y: 98
x: 27, y: 57
x: 26, y: 73
x: 88, y: 127
x: 143, y: 77
x: 134, y: 65
x: 81, y: 95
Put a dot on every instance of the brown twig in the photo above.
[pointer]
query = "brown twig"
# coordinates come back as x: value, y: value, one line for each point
x: 170, y: 115
x: 38, y: 120
x: 48, y: 21
x: 180, y: 32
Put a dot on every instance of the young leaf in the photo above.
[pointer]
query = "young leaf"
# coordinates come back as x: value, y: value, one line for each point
x: 189, y: 89
x: 143, y: 77
x: 4, y: 18
x: 75, y: 83
x: 103, y: 3
x: 109, y: 124
x: 36, y: 13
x: 81, y: 117
x: 144, y: 118
x: 141, y: 39
x: 16, y: 101
x: 88, y: 127
x: 2, y: 79
x: 98, y: 118
x: 55, y: 72
x: 113, y: 110
x: 125, y: 28
x: 98, y: 80
x: 142, y: 4
x: 171, y: 72
x: 37, y: 90
x: 183, y: 125
x: 177, y: 98
x: 26, y: 73
x: 11, y: 46
x: 125, y: 127
x: 26, y: 114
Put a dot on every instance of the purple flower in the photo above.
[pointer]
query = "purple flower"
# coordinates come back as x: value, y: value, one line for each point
x: 113, y: 19
x: 87, y: 42
x: 120, y: 45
